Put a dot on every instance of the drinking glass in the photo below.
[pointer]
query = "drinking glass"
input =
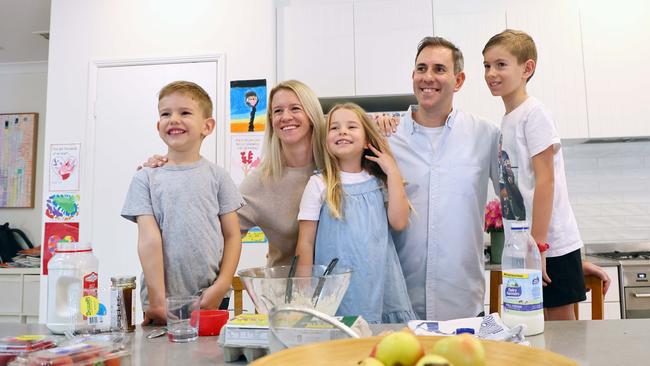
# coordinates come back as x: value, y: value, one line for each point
x: 182, y: 318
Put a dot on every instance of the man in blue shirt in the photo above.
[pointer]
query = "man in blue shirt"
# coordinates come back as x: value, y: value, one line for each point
x: 447, y: 158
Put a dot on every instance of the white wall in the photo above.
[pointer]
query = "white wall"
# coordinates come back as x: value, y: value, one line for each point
x: 84, y: 31
x: 609, y: 190
x: 23, y: 89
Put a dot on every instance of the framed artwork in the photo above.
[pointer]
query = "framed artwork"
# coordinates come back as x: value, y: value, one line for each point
x: 18, y: 137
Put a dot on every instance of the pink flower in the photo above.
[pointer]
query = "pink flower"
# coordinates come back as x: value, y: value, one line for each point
x: 493, y: 218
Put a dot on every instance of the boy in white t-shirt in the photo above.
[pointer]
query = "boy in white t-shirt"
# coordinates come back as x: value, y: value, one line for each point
x: 532, y: 182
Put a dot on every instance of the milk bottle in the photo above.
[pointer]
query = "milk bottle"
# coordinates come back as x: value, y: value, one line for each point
x: 522, y: 281
x: 71, y: 287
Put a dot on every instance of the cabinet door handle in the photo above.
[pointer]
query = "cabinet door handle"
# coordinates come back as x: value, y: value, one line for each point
x: 641, y: 295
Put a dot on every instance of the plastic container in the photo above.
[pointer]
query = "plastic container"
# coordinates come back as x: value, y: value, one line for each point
x: 85, y: 353
x: 12, y: 347
x: 522, y: 281
x: 211, y: 321
x: 72, y: 301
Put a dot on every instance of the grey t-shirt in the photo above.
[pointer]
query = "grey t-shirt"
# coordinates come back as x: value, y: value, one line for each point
x: 186, y: 202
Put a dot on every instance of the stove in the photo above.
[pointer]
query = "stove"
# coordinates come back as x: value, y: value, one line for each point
x: 633, y: 274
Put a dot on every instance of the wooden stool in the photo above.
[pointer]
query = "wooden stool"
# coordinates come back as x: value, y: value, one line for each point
x: 593, y: 283
x: 238, y: 288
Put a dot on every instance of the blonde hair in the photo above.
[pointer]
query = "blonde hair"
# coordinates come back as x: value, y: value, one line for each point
x: 331, y: 173
x: 518, y: 43
x: 194, y: 91
x: 273, y: 161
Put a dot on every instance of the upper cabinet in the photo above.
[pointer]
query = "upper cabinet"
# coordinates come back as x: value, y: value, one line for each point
x: 591, y: 54
x: 386, y: 35
x: 616, y: 46
x: 315, y: 44
x: 355, y: 47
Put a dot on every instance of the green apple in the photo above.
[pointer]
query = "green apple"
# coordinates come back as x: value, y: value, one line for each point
x: 398, y: 349
x: 433, y: 360
x: 370, y: 361
x: 461, y: 350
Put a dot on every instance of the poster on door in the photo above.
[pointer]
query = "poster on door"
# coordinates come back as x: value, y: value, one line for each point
x: 64, y: 167
x: 247, y: 106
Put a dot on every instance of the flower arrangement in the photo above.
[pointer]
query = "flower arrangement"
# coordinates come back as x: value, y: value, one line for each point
x: 493, y: 218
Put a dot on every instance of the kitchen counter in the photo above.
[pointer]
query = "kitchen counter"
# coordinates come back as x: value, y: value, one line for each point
x: 589, y: 342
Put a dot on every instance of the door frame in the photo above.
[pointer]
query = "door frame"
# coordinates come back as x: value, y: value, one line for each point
x: 88, y: 148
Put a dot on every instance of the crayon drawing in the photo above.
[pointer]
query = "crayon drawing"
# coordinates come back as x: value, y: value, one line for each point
x: 62, y: 207
x: 56, y: 232
x: 64, y: 167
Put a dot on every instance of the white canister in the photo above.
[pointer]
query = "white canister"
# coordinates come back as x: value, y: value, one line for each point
x: 71, y: 287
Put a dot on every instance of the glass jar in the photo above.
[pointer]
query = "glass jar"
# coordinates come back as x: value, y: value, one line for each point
x: 123, y: 303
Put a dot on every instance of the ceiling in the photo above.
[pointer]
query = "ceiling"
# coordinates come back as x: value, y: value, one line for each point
x: 20, y: 20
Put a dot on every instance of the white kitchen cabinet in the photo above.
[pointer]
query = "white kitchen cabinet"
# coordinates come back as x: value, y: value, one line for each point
x: 469, y: 25
x: 615, y: 39
x: 351, y: 47
x: 315, y: 44
x: 386, y: 35
x: 559, y: 79
x: 20, y: 295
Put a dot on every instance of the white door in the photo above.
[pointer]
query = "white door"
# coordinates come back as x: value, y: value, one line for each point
x: 122, y: 136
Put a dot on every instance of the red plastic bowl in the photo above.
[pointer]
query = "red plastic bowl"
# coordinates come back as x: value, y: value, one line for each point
x: 211, y: 321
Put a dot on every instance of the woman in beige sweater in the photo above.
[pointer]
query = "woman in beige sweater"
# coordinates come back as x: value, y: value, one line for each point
x: 273, y: 191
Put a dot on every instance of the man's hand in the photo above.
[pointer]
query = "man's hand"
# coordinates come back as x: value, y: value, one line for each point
x: 154, y: 162
x: 155, y: 315
x: 387, y: 122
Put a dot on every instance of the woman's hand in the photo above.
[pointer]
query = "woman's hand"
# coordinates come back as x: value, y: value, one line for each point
x: 385, y: 161
x: 154, y: 162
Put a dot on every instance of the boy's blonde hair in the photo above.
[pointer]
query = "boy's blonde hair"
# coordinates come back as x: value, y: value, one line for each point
x: 518, y: 43
x: 273, y: 162
x: 331, y: 173
x: 192, y: 90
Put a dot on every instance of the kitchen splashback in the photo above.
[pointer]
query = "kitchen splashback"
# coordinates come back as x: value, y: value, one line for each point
x: 609, y: 190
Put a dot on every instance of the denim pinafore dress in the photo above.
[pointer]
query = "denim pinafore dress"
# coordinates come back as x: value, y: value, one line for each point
x: 362, y: 241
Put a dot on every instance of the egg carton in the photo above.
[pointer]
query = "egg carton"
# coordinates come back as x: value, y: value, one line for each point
x: 234, y: 352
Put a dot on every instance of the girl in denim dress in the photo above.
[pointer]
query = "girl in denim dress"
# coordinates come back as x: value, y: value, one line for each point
x: 346, y: 211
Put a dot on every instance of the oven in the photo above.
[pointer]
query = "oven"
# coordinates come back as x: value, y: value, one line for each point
x: 633, y: 274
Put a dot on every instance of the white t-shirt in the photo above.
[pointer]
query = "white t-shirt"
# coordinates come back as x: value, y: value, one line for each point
x: 527, y: 131
x: 314, y: 194
x: 434, y: 134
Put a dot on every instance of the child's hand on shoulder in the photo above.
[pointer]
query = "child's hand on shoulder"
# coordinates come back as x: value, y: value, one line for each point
x: 385, y: 161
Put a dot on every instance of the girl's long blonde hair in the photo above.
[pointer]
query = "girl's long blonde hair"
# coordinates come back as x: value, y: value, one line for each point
x: 331, y: 173
x: 273, y: 161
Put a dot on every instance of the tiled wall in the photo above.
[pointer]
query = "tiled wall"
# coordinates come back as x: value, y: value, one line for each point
x: 609, y: 189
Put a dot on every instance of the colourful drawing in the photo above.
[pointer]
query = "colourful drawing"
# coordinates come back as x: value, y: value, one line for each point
x: 247, y: 105
x: 62, y: 207
x: 247, y: 162
x: 17, y: 159
x: 64, y: 167
x: 245, y: 154
x: 56, y: 232
x: 254, y: 236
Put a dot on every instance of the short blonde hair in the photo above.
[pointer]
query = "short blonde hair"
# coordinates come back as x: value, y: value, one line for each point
x: 331, y: 173
x: 192, y: 90
x: 518, y: 43
x: 273, y: 162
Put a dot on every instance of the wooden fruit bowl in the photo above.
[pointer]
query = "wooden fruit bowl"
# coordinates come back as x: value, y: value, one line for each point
x: 351, y: 351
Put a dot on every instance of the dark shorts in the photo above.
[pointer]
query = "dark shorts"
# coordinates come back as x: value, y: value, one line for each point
x: 224, y: 303
x: 568, y: 281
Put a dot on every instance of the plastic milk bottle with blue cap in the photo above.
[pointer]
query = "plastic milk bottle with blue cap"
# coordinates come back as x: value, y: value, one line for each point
x: 521, y: 266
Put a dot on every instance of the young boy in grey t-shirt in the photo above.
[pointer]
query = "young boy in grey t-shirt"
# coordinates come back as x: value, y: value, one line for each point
x: 186, y: 211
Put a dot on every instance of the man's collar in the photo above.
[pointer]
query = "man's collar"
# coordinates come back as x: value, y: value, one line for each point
x: 412, y: 126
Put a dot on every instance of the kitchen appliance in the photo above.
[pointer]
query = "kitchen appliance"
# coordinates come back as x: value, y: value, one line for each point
x: 633, y: 273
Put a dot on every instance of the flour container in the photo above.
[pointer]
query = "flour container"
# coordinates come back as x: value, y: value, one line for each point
x: 72, y: 301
